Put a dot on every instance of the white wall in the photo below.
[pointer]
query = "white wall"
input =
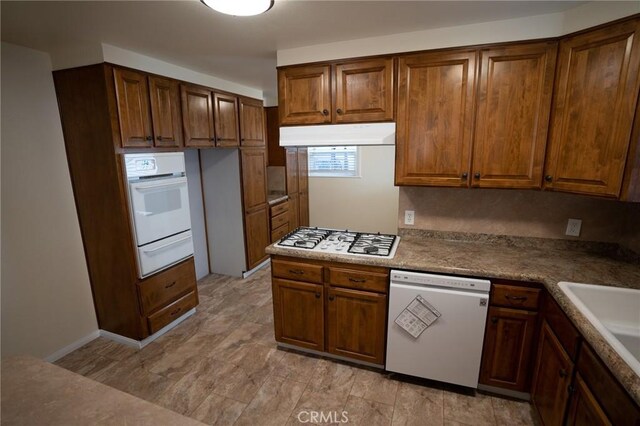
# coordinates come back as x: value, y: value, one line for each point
x: 540, y: 26
x: 46, y: 295
x: 368, y: 203
x: 196, y: 208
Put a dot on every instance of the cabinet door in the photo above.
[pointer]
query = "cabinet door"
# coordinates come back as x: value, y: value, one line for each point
x: 197, y: 117
x: 594, y: 102
x: 165, y: 112
x: 506, y: 359
x: 435, y: 115
x: 132, y: 95
x: 254, y: 180
x: 276, y: 155
x: 552, y: 378
x: 292, y: 170
x: 257, y: 235
x: 584, y: 409
x: 364, y: 91
x: 304, y: 95
x: 514, y: 100
x: 356, y: 324
x: 251, y: 122
x: 303, y: 187
x: 298, y: 313
x: 294, y: 212
x: 225, y: 109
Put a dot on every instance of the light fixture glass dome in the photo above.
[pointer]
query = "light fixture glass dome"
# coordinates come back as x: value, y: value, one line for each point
x: 239, y: 7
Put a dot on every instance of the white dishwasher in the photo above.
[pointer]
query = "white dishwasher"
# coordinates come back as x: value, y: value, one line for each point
x: 436, y: 326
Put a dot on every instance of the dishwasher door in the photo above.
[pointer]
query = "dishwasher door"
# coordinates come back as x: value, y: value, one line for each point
x: 451, y: 348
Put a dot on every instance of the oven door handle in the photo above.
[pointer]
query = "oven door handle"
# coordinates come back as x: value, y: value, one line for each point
x: 153, y: 250
x: 146, y: 186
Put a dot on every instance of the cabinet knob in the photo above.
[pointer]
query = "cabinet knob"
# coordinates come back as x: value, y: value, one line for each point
x: 149, y: 138
x: 563, y: 372
x: 494, y: 320
x: 213, y: 139
x: 325, y: 112
x: 159, y: 138
x: 317, y: 295
x: 548, y: 178
x: 331, y: 298
x: 465, y: 175
x: 477, y: 175
x: 339, y: 111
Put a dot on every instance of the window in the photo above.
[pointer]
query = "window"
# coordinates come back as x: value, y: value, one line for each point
x: 333, y: 161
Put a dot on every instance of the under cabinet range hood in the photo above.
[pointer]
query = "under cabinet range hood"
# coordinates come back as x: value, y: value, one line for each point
x: 339, y: 134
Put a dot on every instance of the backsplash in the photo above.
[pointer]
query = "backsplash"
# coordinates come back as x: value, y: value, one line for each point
x: 520, y: 213
x: 276, y: 180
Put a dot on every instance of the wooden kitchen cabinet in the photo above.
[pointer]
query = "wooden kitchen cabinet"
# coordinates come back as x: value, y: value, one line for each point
x: 256, y: 229
x: 254, y: 177
x: 364, y: 91
x: 165, y: 112
x: 304, y: 94
x: 554, y: 371
x: 354, y: 91
x: 276, y: 153
x: 303, y: 187
x: 595, y: 96
x: 584, y: 409
x: 436, y: 93
x: 355, y: 320
x: 134, y: 114
x: 515, y: 85
x: 298, y: 312
x: 197, y: 116
x: 225, y: 108
x: 252, y: 129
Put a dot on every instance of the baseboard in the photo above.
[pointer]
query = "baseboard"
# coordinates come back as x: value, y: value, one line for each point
x: 505, y: 392
x: 73, y: 346
x: 139, y: 344
x: 328, y: 355
x: 256, y: 269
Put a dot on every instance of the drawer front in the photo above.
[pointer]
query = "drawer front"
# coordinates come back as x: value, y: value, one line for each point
x: 512, y: 296
x: 165, y: 287
x: 567, y: 334
x: 280, y: 208
x: 280, y: 220
x: 172, y: 312
x: 359, y: 279
x: 276, y: 234
x: 296, y: 271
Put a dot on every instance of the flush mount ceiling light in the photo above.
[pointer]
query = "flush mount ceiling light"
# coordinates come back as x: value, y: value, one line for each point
x: 239, y: 7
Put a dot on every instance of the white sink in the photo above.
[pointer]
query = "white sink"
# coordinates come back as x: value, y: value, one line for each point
x: 614, y: 312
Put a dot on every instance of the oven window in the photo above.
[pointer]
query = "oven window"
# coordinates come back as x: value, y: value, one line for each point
x: 158, y: 202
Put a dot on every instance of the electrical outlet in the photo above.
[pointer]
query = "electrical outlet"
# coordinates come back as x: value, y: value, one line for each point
x: 409, y: 217
x: 573, y: 227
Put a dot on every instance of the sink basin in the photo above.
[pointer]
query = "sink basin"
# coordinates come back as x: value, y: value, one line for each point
x: 614, y: 312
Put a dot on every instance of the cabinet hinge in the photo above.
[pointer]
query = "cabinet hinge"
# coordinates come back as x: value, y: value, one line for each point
x: 571, y: 389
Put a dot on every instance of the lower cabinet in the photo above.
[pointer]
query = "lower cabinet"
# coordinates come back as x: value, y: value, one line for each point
x: 552, y: 378
x: 299, y: 313
x: 257, y: 235
x: 354, y: 321
x: 584, y: 409
x: 330, y: 307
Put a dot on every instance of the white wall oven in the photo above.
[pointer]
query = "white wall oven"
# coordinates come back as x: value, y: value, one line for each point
x: 159, y: 206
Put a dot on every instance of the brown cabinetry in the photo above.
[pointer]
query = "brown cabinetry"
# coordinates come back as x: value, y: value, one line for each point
x: 134, y: 114
x: 585, y: 410
x: 303, y: 187
x: 339, y: 92
x: 256, y: 210
x: 165, y: 112
x: 225, y: 108
x: 512, y: 115
x: 353, y: 317
x: 279, y: 223
x: 197, y: 116
x: 435, y: 117
x: 252, y: 128
x: 595, y: 97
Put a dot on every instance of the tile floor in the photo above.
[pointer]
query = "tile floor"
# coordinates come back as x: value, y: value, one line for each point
x: 222, y: 367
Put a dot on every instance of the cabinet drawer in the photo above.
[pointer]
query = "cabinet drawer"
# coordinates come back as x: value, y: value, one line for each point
x: 280, y: 220
x: 279, y: 208
x: 296, y: 271
x: 162, y: 288
x: 276, y: 234
x: 515, y: 297
x: 566, y: 333
x: 171, y: 312
x: 359, y: 279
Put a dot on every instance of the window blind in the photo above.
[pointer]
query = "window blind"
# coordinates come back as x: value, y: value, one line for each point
x: 336, y: 161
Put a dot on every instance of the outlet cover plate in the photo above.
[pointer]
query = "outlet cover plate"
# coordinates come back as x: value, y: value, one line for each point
x: 409, y: 217
x: 573, y: 227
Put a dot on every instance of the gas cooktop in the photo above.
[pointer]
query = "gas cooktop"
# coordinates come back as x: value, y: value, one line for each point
x: 341, y: 242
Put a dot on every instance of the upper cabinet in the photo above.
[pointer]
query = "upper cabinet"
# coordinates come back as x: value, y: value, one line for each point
x: 515, y: 84
x: 252, y: 129
x: 165, y: 111
x: 435, y: 116
x: 593, y: 111
x: 341, y: 92
x: 197, y: 116
x: 132, y: 97
x: 225, y: 108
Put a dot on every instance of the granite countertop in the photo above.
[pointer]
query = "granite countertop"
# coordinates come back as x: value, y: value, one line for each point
x: 274, y: 199
x: 35, y: 392
x: 525, y: 259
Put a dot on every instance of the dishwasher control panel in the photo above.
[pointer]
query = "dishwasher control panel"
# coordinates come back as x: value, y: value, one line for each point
x: 419, y: 278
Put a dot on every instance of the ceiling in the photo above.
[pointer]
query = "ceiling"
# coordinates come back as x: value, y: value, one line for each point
x: 239, y: 49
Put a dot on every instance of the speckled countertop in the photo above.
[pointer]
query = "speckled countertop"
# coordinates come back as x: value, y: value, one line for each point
x: 274, y: 199
x: 526, y: 259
